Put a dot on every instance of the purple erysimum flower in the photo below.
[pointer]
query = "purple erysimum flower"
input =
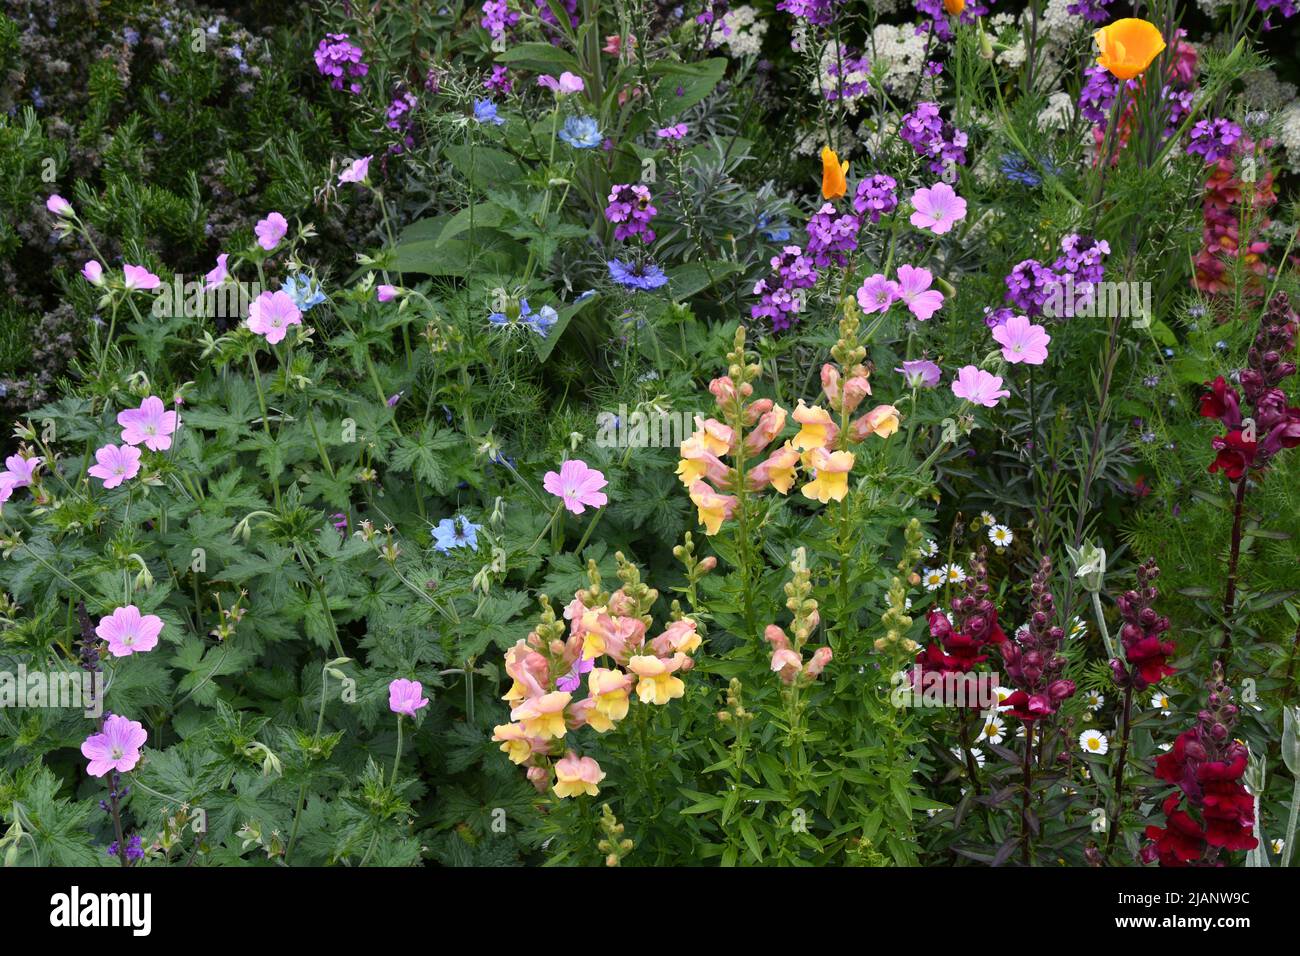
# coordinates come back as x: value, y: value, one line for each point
x: 406, y: 697
x: 1213, y: 139
x: 876, y: 196
x: 920, y: 373
x: 341, y: 61
x: 128, y: 632
x: 677, y: 131
x: 639, y: 275
x: 116, y: 747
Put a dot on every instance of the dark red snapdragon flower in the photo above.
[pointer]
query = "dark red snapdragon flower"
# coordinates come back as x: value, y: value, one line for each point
x: 1146, y: 650
x: 1259, y: 423
x: 1213, y: 812
x: 1033, y: 659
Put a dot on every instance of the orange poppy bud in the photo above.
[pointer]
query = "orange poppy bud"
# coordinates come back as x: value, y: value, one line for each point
x: 834, y: 183
x: 1128, y: 46
x: 954, y: 7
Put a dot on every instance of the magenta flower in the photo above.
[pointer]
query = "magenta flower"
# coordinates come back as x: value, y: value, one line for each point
x: 115, y: 464
x: 59, y: 206
x: 93, y: 272
x: 567, y: 83
x: 1022, y: 341
x: 577, y: 486
x: 218, y: 274
x: 572, y: 680
x: 271, y: 314
x: 129, y: 632
x: 914, y: 289
x: 115, y: 747
x: 978, y: 386
x: 270, y: 231
x: 920, y: 373
x: 21, y: 471
x: 150, y: 424
x: 877, y: 294
x: 358, y: 172
x: 937, y: 208
x: 138, y: 277
x: 386, y: 293
x: 406, y: 697
x: 676, y: 131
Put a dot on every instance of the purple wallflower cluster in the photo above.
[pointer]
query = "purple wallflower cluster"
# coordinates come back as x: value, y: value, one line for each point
x: 840, y: 89
x: 930, y: 136
x: 1094, y: 10
x: 1082, y: 258
x: 818, y: 13
x: 1213, y: 138
x: 341, y: 61
x: 876, y: 196
x: 831, y: 234
x: 499, y: 81
x: 630, y: 210
x: 544, y: 11
x: 1071, y: 279
x: 498, y: 18
x: 1098, y: 94
x: 1285, y: 7
x: 780, y: 303
x: 1028, y: 286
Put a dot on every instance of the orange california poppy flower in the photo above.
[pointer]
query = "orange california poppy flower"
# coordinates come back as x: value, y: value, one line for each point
x: 1128, y: 46
x: 954, y: 7
x: 834, y: 184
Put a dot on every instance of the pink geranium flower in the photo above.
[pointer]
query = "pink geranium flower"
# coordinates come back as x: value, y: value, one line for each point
x: 406, y: 697
x: 138, y: 277
x: 271, y: 314
x: 937, y: 208
x: 567, y: 83
x: 877, y: 294
x: 115, y: 747
x: 386, y: 293
x: 218, y: 274
x: 271, y: 230
x: 58, y: 205
x: 129, y: 632
x: 577, y: 486
x: 914, y: 289
x: 21, y: 471
x: 978, y: 386
x: 1022, y: 341
x: 150, y: 424
x: 115, y: 464
x: 93, y: 272
x: 357, y: 172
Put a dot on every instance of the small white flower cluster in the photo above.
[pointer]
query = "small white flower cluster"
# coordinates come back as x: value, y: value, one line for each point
x: 829, y: 76
x: 899, y: 51
x: 740, y: 31
x: 1288, y: 119
x: 1058, y: 113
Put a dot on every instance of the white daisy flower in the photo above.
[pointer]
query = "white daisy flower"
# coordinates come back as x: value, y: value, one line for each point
x: 954, y: 573
x: 1160, y: 701
x: 1077, y: 627
x: 988, y: 519
x: 1093, y: 700
x: 1277, y: 846
x: 1165, y: 746
x: 933, y: 578
x: 931, y: 548
x: 1021, y: 631
x: 994, y: 730
x: 1093, y: 742
x: 974, y: 752
x: 1003, y: 693
x: 1001, y: 535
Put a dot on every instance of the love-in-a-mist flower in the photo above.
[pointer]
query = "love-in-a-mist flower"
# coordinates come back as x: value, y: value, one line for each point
x: 485, y: 112
x: 656, y: 683
x: 1127, y: 47
x: 920, y: 373
x: 270, y: 231
x: 457, y: 532
x: 128, y: 632
x: 915, y: 292
x: 217, y: 274
x: 115, y: 747
x: 978, y: 386
x: 406, y: 697
x: 1022, y: 341
x: 358, y: 172
x: 138, y: 278
x: 876, y: 294
x: 115, y: 464
x: 271, y: 314
x: 581, y: 132
x: 59, y: 206
x: 712, y: 508
x: 93, y: 272
x: 832, y: 468
x: 834, y: 174
x: 151, y: 425
x: 577, y: 485
x: 937, y: 208
x: 576, y: 776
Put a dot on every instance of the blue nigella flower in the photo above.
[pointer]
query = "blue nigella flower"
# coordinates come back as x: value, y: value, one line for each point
x: 774, y: 232
x: 305, y: 292
x: 640, y: 275
x: 485, y: 111
x: 581, y: 132
x: 457, y: 532
x: 1019, y: 170
x: 540, y: 321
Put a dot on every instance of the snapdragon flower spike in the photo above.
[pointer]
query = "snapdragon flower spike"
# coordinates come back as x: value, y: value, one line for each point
x: 1033, y: 661
x: 956, y: 646
x: 1212, y: 812
x: 1264, y: 424
x: 1146, y: 652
